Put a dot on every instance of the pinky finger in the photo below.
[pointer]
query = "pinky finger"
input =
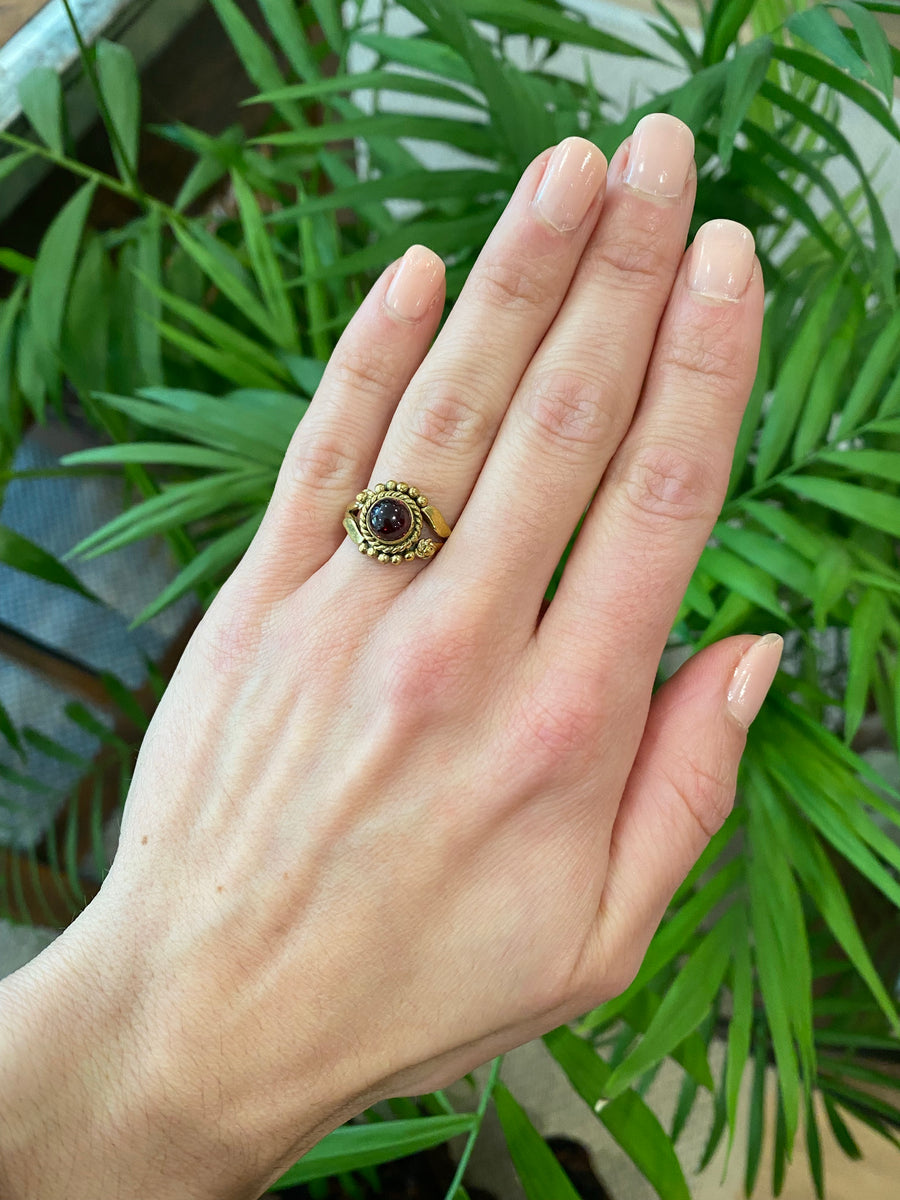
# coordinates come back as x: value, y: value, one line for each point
x: 333, y: 449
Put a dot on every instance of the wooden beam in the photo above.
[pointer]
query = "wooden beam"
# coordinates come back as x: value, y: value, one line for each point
x: 66, y: 672
x: 16, y: 13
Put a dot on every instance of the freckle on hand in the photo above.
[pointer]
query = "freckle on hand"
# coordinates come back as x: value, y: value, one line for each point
x: 144, y: 840
x: 220, y: 888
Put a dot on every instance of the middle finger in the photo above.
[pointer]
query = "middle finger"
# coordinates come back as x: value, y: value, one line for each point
x: 577, y: 398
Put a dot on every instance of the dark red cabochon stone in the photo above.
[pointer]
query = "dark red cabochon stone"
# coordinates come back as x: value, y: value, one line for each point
x: 389, y: 520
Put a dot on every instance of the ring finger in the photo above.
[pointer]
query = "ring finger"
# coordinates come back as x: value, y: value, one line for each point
x: 447, y: 419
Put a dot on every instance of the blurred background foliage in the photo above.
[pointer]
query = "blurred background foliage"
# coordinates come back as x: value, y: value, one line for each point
x: 191, y: 343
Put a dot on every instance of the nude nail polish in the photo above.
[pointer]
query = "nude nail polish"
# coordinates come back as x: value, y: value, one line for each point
x: 415, y: 284
x: 662, y: 150
x: 753, y: 677
x: 721, y: 261
x: 572, y: 178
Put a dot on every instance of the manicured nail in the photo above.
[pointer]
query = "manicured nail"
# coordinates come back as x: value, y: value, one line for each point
x: 753, y: 678
x: 571, y: 180
x: 721, y: 261
x: 415, y: 284
x: 662, y: 150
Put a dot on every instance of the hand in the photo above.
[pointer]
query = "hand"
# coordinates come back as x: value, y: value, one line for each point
x: 391, y: 820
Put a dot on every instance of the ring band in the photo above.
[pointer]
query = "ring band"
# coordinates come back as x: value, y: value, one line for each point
x: 386, y: 523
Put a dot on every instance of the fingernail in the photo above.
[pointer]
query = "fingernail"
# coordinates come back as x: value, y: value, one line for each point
x: 415, y: 284
x: 662, y: 150
x: 753, y: 678
x: 571, y: 180
x: 721, y: 261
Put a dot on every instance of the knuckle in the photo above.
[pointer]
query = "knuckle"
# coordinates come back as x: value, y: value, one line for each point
x: 230, y: 637
x: 567, y: 409
x: 666, y: 483
x: 449, y: 418
x: 706, y: 793
x: 368, y: 367
x: 700, y: 352
x: 512, y: 282
x: 323, y: 459
x: 637, y: 256
x: 430, y: 677
x: 554, y: 731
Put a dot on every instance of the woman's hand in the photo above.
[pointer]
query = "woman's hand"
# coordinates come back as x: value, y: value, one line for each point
x: 391, y: 820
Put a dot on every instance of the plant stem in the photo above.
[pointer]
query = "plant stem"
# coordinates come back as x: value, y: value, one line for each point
x: 108, y: 181
x: 90, y: 70
x: 456, y: 1184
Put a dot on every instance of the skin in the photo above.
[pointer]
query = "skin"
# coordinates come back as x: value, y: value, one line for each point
x: 390, y: 821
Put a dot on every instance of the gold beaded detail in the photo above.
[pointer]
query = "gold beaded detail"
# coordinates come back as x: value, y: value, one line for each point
x: 386, y: 523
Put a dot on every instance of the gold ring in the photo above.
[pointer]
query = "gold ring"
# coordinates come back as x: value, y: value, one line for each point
x: 386, y: 523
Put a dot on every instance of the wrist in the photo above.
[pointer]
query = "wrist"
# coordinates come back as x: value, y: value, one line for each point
x: 72, y: 1070
x: 100, y: 1095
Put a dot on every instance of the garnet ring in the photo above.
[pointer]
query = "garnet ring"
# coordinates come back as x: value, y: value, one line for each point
x: 386, y: 523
